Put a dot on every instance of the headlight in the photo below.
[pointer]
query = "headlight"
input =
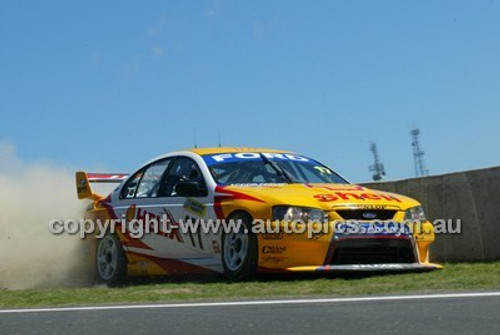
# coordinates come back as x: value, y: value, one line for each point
x: 293, y: 213
x: 415, y: 214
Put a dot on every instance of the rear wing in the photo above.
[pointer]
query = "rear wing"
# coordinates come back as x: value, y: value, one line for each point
x: 83, y: 180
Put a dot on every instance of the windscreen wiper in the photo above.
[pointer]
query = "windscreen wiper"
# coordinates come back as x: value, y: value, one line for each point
x: 279, y: 170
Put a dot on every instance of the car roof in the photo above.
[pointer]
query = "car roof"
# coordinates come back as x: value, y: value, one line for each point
x: 216, y: 150
x: 229, y: 150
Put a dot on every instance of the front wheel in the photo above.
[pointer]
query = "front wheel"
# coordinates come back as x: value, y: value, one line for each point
x: 111, y: 262
x: 240, y: 250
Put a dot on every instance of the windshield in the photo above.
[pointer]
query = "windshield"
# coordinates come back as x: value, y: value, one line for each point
x: 272, y: 168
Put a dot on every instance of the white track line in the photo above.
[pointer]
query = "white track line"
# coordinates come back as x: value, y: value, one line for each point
x: 256, y: 302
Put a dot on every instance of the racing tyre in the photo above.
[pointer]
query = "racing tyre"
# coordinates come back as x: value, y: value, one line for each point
x: 110, y: 260
x: 240, y: 250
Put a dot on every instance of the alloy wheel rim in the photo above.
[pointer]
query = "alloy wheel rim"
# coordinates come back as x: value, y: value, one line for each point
x: 235, y: 250
x: 107, y: 258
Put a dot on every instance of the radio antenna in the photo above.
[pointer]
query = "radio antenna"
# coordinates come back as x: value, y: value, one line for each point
x: 377, y: 168
x: 418, y: 154
x: 194, y: 135
x: 219, y: 140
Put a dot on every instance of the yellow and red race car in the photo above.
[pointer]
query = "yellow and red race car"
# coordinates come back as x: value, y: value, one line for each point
x: 240, y: 211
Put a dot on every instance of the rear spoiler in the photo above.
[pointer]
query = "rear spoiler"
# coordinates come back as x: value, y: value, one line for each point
x: 84, y: 179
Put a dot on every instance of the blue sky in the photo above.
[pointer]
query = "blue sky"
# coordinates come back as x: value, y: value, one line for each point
x: 109, y: 85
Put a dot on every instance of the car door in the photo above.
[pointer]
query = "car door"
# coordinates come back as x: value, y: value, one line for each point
x: 158, y: 210
x: 151, y: 197
x: 138, y: 205
x: 187, y: 210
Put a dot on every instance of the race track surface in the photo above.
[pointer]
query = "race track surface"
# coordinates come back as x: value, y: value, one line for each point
x: 433, y: 314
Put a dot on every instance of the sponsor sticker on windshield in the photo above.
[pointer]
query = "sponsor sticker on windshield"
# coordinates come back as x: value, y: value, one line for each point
x: 246, y: 156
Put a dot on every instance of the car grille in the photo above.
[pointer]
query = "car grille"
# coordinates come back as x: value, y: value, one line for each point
x: 362, y: 214
x: 373, y: 251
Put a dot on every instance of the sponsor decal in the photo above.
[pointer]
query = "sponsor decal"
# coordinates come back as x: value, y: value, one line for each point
x: 82, y: 189
x: 145, y: 217
x: 272, y: 236
x: 317, y: 234
x: 195, y: 207
x: 273, y: 249
x: 236, y: 157
x: 274, y: 259
x: 368, y: 207
x: 330, y: 197
x: 372, y: 228
x: 131, y: 212
x: 216, y: 247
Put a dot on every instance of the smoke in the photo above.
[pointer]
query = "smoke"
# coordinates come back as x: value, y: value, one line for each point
x: 31, y: 195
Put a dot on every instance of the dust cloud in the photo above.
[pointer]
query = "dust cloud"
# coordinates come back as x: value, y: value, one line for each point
x: 31, y: 195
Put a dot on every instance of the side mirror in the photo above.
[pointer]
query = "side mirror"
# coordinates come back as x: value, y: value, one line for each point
x: 189, y: 189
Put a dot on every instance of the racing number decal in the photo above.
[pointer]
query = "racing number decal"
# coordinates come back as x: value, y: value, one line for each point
x: 323, y: 169
x: 192, y: 234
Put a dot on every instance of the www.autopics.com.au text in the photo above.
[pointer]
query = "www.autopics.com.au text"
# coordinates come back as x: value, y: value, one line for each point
x: 137, y: 228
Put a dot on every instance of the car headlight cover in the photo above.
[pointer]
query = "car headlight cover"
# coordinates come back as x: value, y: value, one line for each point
x: 415, y: 214
x: 294, y: 213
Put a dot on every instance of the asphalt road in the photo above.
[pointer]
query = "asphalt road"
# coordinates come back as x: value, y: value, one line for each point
x: 436, y: 315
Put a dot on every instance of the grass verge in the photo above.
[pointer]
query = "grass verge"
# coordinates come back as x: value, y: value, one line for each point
x: 454, y: 277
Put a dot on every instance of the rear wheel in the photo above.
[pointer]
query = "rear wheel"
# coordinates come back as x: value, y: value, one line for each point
x: 111, y: 262
x: 240, y: 250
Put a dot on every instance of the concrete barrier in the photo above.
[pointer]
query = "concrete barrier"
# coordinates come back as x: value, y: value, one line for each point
x: 471, y: 196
